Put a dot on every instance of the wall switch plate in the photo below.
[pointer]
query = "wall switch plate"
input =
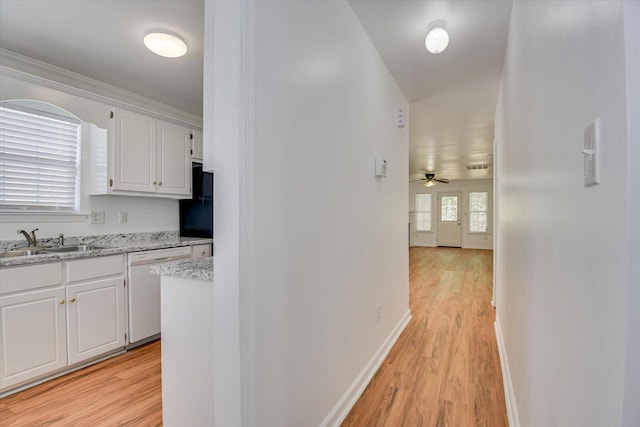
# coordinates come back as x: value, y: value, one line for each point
x: 591, y: 153
x: 123, y: 217
x: 381, y: 167
x: 96, y: 217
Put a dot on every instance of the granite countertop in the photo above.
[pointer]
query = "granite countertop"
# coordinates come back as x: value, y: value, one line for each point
x: 197, y: 269
x: 110, y: 244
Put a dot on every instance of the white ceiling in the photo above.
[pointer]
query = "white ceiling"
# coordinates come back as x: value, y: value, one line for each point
x: 102, y: 39
x: 453, y: 94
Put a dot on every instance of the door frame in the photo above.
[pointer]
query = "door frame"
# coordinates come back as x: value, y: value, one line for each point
x: 439, y: 202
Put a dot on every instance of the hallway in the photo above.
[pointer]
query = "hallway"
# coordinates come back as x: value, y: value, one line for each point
x: 444, y: 369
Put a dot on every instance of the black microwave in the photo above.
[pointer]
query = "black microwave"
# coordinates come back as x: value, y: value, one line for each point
x: 196, y: 214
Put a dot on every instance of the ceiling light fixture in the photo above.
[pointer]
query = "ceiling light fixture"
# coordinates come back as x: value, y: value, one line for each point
x: 437, y: 39
x: 429, y: 183
x: 165, y: 44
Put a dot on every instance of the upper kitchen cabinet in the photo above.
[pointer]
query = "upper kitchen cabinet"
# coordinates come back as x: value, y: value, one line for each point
x: 197, y: 147
x: 173, y: 159
x: 142, y: 156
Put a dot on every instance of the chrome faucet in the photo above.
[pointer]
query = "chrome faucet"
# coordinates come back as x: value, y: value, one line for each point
x: 61, y: 240
x: 31, y: 239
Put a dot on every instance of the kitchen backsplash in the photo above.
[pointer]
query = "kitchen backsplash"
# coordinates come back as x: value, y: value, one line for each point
x: 119, y: 239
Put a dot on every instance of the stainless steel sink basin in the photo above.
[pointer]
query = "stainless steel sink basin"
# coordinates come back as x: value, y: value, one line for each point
x: 31, y: 250
x: 77, y: 248
x: 20, y: 252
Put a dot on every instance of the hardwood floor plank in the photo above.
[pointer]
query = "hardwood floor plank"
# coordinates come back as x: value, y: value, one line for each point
x: 444, y: 369
x: 122, y: 391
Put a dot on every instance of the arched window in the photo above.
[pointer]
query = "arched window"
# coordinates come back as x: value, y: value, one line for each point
x: 39, y: 157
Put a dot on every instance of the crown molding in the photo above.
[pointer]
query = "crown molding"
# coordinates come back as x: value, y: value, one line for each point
x: 41, y: 73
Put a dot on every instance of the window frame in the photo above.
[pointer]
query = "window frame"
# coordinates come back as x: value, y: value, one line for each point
x: 486, y: 212
x: 13, y: 213
x: 430, y: 212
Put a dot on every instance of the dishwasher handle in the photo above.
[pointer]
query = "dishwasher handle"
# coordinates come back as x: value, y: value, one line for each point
x: 156, y: 256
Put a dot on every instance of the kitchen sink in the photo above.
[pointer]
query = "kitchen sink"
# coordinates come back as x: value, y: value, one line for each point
x: 21, y: 252
x: 39, y: 251
x: 77, y: 248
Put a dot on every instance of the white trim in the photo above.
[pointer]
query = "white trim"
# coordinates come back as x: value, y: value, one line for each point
x: 509, y: 397
x: 248, y: 257
x: 353, y: 393
x: 37, y: 72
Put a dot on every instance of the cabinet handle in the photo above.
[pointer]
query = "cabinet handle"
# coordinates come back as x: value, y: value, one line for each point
x: 154, y: 183
x: 203, y: 252
x: 72, y: 300
x: 61, y: 301
x: 160, y: 183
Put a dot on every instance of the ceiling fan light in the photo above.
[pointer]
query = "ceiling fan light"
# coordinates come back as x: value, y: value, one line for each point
x: 437, y: 39
x: 165, y: 44
x: 429, y: 183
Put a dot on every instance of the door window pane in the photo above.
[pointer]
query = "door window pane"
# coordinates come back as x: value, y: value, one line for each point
x: 449, y: 208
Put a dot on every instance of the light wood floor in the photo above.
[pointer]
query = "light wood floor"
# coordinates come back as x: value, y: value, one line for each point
x: 123, y: 391
x: 444, y: 369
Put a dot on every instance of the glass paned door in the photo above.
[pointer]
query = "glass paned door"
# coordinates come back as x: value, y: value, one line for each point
x: 449, y: 229
x: 448, y: 208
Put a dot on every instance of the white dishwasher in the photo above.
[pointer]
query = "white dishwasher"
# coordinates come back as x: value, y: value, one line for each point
x: 144, y: 292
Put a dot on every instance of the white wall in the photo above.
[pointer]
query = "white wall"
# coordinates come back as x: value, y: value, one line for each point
x: 563, y: 249
x: 314, y: 240
x: 631, y: 417
x: 144, y: 214
x: 468, y: 240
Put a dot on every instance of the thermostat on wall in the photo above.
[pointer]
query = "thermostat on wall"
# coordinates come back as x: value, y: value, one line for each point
x: 381, y: 167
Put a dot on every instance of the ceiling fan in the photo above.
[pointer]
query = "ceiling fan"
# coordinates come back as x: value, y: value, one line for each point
x: 430, y: 180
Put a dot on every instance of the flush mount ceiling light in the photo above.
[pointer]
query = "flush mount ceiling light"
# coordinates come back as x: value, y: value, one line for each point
x: 437, y: 39
x: 165, y: 44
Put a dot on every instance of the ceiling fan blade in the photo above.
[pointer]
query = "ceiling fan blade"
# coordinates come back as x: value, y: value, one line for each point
x: 443, y: 180
x: 416, y: 180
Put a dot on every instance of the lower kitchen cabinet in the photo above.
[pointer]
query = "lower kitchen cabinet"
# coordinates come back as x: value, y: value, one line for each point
x: 47, y: 327
x: 95, y: 317
x: 33, y: 335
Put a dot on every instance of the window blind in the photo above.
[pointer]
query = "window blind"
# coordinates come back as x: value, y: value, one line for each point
x: 478, y: 204
x: 423, y: 212
x: 39, y: 156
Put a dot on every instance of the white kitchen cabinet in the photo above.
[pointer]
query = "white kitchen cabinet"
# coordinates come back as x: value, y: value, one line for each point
x: 56, y: 315
x: 197, y: 147
x: 200, y: 251
x: 95, y: 306
x: 173, y: 168
x: 142, y: 156
x: 32, y: 335
x: 134, y: 152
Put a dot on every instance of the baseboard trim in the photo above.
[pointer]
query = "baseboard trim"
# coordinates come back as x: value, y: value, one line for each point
x: 353, y: 393
x: 512, y: 411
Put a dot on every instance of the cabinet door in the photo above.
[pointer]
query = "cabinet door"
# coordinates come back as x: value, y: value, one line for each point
x: 173, y: 159
x: 197, y: 146
x: 32, y: 335
x: 95, y: 313
x: 134, y: 152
